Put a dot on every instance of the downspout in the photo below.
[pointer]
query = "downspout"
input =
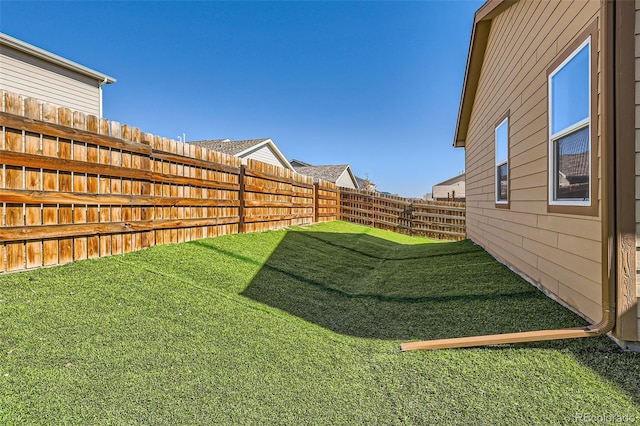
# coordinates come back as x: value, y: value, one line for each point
x: 608, y: 220
x: 100, y: 84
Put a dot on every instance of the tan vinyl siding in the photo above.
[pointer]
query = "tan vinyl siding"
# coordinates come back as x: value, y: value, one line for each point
x: 37, y: 78
x: 560, y: 252
x: 637, y: 101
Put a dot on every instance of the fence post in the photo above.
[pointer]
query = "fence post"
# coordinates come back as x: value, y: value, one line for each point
x: 316, y: 201
x: 338, y: 202
x: 373, y: 209
x: 411, y: 219
x: 241, y: 206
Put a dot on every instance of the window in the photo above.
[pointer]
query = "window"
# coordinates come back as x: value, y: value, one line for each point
x: 502, y: 162
x: 570, y: 144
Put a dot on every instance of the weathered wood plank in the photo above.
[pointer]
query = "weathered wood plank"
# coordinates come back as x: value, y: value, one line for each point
x: 65, y: 165
x: 68, y: 230
x: 276, y: 178
x: 65, y: 213
x: 50, y: 129
x: 168, y: 157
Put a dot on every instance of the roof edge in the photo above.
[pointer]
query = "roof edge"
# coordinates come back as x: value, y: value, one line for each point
x: 272, y: 144
x: 352, y: 175
x: 475, y: 59
x: 22, y: 46
x: 451, y: 180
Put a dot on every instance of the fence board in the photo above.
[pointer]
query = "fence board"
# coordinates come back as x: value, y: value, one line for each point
x: 274, y: 197
x: 76, y: 187
x: 433, y: 219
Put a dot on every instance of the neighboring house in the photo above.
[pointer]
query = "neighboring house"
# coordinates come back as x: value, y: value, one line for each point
x: 264, y: 150
x: 297, y: 163
x: 547, y: 120
x: 36, y: 73
x: 339, y: 174
x: 366, y: 184
x: 450, y: 190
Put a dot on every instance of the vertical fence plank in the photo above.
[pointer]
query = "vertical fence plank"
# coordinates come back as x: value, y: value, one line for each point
x: 50, y: 183
x: 14, y: 179
x: 241, y: 196
x: 146, y: 189
x: 80, y: 244
x: 127, y: 238
x: 33, y: 212
x: 136, y: 211
x: 104, y: 157
x: 93, y: 187
x: 65, y: 184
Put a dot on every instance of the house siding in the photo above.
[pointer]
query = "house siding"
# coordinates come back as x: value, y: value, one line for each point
x: 345, y: 180
x: 445, y: 192
x: 559, y: 252
x: 34, y: 77
x: 265, y: 154
x: 637, y: 143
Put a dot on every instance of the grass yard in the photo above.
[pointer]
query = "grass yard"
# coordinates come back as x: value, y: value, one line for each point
x: 300, y: 326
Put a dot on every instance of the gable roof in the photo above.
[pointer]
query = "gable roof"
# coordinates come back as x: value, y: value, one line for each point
x: 330, y: 173
x: 477, y: 49
x: 242, y: 148
x: 14, y: 43
x: 211, y: 144
x: 299, y: 163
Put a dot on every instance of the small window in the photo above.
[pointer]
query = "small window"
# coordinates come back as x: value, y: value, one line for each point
x: 570, y: 146
x: 502, y: 162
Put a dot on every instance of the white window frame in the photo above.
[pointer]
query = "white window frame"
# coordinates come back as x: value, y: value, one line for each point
x: 553, y: 137
x: 501, y: 163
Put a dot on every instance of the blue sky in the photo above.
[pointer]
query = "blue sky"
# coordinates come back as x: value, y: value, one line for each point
x: 373, y: 84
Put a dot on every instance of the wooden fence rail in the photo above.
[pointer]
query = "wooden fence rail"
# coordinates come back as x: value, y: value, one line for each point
x: 433, y: 219
x: 74, y: 187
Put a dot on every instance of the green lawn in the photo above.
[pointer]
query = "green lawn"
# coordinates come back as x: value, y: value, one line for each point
x: 299, y: 326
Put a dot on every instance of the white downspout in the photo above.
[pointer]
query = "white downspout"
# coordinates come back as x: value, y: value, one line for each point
x: 100, y: 94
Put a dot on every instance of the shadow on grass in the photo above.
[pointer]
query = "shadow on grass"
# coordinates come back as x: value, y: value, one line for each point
x: 363, y: 286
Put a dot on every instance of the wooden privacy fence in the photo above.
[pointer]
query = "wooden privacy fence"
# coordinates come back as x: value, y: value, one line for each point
x: 275, y: 197
x: 433, y: 219
x: 327, y: 202
x: 74, y: 187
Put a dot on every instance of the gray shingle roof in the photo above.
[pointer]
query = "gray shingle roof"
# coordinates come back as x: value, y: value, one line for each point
x: 363, y: 181
x: 228, y: 146
x: 329, y: 173
x: 297, y: 163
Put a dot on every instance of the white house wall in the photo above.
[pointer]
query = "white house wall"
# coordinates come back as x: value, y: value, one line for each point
x: 265, y: 154
x: 34, y: 77
x: 345, y: 180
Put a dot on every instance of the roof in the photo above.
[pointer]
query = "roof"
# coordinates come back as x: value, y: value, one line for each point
x: 228, y: 146
x: 298, y: 163
x: 242, y: 148
x: 330, y: 173
x: 6, y: 40
x: 363, y: 181
x: 477, y: 49
x: 452, y: 180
